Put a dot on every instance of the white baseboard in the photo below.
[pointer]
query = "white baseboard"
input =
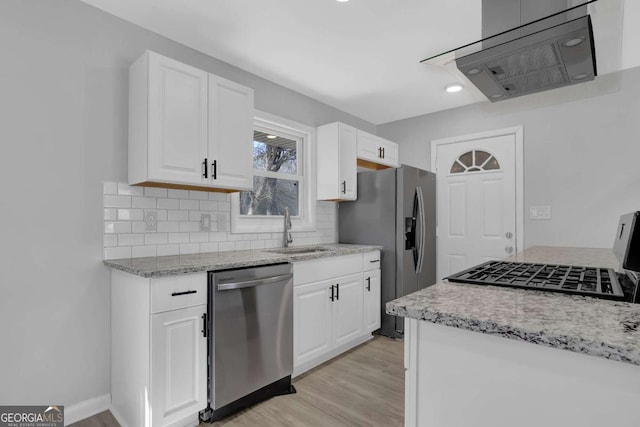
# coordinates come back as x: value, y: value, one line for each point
x: 87, y: 408
x: 118, y: 417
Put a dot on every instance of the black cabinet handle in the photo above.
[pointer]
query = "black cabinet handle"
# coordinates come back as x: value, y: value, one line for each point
x: 374, y: 260
x: 379, y: 152
x: 338, y: 291
x: 204, y: 163
x: 176, y: 294
x: 204, y: 325
x: 383, y: 152
x: 369, y: 284
x: 344, y: 187
x: 332, y: 297
x: 214, y: 167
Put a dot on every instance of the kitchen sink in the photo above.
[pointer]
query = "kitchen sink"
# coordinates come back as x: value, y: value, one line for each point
x: 297, y: 251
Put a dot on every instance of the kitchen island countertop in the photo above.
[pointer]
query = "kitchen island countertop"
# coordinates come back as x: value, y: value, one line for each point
x: 597, y: 327
x: 193, y: 263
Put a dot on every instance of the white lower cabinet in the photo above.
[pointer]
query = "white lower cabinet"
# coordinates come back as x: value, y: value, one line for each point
x: 312, y: 317
x: 329, y: 297
x: 178, y: 363
x: 372, y: 300
x: 158, y: 349
x: 347, y: 309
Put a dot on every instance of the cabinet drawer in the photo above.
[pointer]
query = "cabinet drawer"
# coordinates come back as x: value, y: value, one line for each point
x: 326, y: 268
x: 371, y: 261
x: 170, y: 293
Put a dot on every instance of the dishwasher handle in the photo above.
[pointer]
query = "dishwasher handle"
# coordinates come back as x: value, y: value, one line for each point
x: 254, y: 282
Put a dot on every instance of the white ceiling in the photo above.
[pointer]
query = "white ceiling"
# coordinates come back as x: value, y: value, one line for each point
x: 361, y: 56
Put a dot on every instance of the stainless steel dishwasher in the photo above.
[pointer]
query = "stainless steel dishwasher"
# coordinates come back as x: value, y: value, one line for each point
x: 251, y: 344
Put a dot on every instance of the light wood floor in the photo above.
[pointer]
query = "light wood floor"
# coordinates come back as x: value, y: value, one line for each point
x: 363, y: 387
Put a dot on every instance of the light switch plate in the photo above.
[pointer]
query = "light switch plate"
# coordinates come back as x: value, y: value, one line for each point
x: 205, y: 222
x: 540, y: 212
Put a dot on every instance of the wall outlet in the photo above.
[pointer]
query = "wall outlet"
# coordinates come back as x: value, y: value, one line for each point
x: 540, y: 212
x: 205, y: 222
x: 150, y: 221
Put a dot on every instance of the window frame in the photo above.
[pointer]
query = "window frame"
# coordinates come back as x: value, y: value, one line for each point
x: 306, y: 176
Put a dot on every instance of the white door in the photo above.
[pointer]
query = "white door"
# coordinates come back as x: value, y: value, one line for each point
x: 348, y: 320
x: 312, y: 314
x: 476, y: 190
x: 371, y: 300
x: 230, y: 134
x: 177, y: 121
x: 178, y: 364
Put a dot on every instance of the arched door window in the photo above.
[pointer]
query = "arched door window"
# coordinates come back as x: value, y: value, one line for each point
x: 475, y: 161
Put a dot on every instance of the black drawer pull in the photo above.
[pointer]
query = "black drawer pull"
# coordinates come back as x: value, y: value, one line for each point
x: 374, y: 260
x: 175, y: 294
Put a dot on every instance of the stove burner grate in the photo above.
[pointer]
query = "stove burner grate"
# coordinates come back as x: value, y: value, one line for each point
x: 591, y: 281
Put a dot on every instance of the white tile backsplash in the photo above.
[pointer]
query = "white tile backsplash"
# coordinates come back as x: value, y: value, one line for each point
x: 178, y: 214
x: 143, y: 202
x: 164, y: 203
x: 111, y: 201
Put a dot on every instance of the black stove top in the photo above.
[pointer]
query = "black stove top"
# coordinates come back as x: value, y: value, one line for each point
x: 591, y: 281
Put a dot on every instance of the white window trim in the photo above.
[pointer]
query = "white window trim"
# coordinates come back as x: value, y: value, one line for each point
x: 304, y: 222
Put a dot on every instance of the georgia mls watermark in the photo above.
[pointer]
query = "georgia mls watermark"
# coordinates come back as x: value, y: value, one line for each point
x: 32, y: 416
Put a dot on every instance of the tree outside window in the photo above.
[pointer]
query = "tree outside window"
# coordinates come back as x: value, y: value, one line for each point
x: 277, y: 179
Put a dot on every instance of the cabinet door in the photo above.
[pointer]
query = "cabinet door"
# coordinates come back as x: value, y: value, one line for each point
x: 348, y: 163
x: 177, y: 122
x: 312, y: 311
x: 178, y: 364
x: 389, y: 153
x: 347, y: 318
x: 230, y: 134
x: 371, y: 300
x: 368, y: 148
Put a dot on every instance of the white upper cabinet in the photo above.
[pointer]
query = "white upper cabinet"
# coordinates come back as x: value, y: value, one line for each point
x: 336, y: 162
x: 230, y: 134
x: 187, y: 128
x: 375, y: 152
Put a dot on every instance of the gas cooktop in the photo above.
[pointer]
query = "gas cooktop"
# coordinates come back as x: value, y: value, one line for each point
x: 591, y: 281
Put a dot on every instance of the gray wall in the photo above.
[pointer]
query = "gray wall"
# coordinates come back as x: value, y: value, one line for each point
x: 581, y: 153
x: 63, y: 103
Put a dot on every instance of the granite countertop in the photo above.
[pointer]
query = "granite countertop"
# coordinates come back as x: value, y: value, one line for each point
x: 193, y: 263
x: 597, y: 327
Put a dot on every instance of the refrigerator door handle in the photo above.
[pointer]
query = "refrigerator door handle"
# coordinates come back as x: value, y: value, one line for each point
x: 420, y: 230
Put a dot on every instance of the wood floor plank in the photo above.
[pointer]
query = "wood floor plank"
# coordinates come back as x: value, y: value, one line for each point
x: 362, y: 388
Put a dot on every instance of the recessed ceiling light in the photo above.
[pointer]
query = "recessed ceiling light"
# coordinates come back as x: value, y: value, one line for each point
x: 473, y: 71
x: 453, y: 87
x: 574, y: 42
x: 271, y: 136
x: 581, y: 76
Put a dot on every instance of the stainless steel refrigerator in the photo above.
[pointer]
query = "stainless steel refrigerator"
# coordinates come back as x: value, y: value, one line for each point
x: 396, y: 208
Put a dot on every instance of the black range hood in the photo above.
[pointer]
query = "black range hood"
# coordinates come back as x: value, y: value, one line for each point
x: 550, y: 49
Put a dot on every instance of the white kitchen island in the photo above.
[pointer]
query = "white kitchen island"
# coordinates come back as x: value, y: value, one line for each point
x: 483, y: 356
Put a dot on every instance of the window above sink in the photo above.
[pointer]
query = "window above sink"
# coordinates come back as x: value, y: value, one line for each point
x: 283, y: 176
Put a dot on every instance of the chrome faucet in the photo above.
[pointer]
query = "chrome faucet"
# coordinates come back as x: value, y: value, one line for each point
x: 286, y: 235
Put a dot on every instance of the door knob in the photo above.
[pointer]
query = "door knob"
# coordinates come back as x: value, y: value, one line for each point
x: 509, y: 249
x: 508, y: 235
